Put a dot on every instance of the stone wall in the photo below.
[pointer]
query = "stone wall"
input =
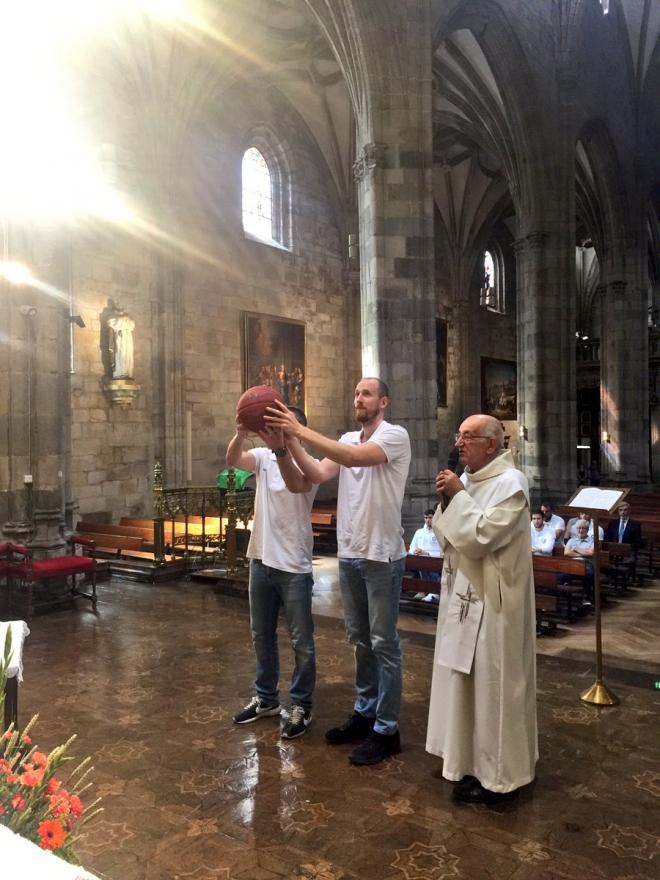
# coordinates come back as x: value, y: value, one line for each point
x: 219, y: 274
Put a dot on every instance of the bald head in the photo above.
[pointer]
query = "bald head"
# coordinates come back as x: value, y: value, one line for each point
x: 491, y: 427
x: 480, y: 439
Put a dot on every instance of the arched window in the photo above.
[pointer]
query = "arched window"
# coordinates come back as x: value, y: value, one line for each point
x: 267, y: 191
x: 257, y: 195
x: 491, y: 294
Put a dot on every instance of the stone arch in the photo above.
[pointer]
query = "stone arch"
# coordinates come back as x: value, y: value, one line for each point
x: 498, y: 111
x: 601, y: 202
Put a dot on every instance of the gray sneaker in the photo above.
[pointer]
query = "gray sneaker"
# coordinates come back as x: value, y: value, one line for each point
x: 295, y: 722
x: 255, y: 709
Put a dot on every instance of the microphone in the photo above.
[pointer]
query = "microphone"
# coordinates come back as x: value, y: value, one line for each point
x: 452, y: 464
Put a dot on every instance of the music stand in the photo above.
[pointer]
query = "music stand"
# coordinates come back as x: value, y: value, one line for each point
x: 596, y: 501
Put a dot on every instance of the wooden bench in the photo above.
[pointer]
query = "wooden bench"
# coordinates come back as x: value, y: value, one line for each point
x: 412, y: 585
x: 112, y: 545
x: 324, y: 528
x: 553, y: 597
x: 29, y: 573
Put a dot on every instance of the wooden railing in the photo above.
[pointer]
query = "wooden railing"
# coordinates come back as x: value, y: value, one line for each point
x: 217, y: 512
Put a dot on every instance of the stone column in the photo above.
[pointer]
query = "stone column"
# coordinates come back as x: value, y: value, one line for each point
x: 37, y: 439
x: 394, y: 176
x: 624, y: 369
x: 546, y: 368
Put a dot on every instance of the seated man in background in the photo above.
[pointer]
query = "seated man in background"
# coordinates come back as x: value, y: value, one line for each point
x: 425, y: 543
x: 582, y: 546
x: 543, y: 536
x: 626, y: 531
x: 555, y: 522
x: 571, y: 527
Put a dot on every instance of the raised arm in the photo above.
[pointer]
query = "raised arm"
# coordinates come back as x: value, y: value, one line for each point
x: 236, y: 457
x: 316, y: 471
x: 294, y: 479
x: 365, y: 455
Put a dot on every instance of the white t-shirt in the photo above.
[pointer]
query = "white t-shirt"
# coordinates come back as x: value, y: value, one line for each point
x: 543, y: 539
x: 282, y: 529
x: 425, y: 539
x: 369, y: 499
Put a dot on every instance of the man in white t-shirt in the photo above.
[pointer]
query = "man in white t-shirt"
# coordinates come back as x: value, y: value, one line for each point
x: 543, y: 535
x: 372, y: 465
x: 555, y: 522
x: 280, y: 554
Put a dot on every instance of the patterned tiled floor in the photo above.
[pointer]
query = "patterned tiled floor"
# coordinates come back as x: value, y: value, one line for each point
x: 149, y: 685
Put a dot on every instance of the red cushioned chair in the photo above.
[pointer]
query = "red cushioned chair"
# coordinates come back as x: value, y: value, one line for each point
x: 27, y: 573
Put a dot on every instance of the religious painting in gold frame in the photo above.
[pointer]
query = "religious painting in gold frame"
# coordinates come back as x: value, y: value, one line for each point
x: 274, y: 354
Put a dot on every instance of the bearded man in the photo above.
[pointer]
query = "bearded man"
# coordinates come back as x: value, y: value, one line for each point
x: 482, y: 714
x: 372, y: 465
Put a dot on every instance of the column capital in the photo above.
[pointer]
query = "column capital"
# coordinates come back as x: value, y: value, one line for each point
x: 533, y: 241
x: 371, y: 157
x: 536, y: 240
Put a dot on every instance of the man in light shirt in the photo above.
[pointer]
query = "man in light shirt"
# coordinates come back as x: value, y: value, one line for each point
x: 543, y: 535
x: 555, y: 522
x: 280, y: 554
x: 582, y: 547
x: 571, y: 527
x: 425, y: 543
x: 372, y: 465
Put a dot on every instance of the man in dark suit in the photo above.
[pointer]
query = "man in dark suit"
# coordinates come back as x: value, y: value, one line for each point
x: 626, y: 531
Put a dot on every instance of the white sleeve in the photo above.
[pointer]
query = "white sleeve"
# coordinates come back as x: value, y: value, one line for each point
x: 394, y: 441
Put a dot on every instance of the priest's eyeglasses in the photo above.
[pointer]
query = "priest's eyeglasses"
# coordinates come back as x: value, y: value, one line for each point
x: 466, y: 436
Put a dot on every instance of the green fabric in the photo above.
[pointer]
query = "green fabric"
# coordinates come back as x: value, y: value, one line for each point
x: 241, y: 477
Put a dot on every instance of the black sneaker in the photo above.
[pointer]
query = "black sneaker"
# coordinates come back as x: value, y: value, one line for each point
x: 354, y: 730
x: 255, y: 709
x: 295, y: 722
x: 375, y: 749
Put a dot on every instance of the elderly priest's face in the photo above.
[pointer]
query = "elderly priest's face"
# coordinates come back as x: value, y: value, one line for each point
x: 476, y: 448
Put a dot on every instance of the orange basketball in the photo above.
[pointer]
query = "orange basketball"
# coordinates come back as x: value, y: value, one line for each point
x: 251, y: 406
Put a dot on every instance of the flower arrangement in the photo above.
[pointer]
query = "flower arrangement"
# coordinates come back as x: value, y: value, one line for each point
x: 37, y: 800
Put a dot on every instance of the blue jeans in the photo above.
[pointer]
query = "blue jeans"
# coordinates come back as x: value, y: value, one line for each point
x: 370, y: 593
x: 270, y: 590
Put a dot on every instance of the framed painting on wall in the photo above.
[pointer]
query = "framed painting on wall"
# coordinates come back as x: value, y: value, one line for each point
x: 274, y: 354
x: 498, y: 389
x: 441, y: 360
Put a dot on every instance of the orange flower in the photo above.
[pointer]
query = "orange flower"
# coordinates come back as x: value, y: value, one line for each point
x: 52, y: 834
x: 27, y: 739
x: 59, y: 806
x: 40, y: 759
x: 18, y: 802
x: 53, y: 785
x: 2, y: 810
x: 76, y: 805
x: 32, y: 778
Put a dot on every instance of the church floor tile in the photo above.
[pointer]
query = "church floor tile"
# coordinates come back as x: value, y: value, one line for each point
x: 151, y: 681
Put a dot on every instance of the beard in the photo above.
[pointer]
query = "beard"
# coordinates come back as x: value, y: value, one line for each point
x: 365, y: 414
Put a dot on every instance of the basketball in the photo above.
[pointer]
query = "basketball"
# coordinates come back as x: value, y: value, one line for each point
x: 251, y: 406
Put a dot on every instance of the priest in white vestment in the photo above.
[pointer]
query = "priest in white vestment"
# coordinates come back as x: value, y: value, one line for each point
x: 482, y: 714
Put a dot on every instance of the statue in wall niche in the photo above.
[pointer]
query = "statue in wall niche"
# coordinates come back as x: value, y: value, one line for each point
x: 117, y: 354
x: 122, y: 327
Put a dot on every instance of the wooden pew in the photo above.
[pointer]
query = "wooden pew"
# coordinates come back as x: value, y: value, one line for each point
x: 547, y: 571
x: 411, y: 585
x: 324, y: 528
